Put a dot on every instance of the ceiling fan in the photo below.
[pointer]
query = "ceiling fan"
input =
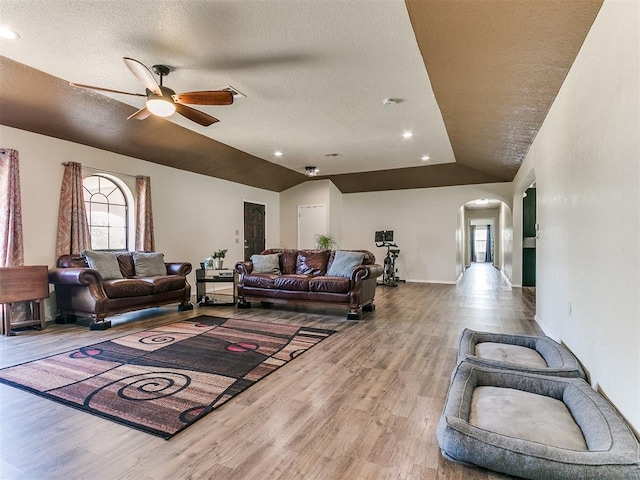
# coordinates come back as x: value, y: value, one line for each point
x: 164, y: 102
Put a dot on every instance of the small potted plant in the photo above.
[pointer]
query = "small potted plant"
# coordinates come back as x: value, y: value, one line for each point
x: 218, y: 256
x: 325, y: 241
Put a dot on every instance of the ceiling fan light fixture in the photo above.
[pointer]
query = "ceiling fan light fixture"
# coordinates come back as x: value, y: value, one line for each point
x: 161, y: 107
x: 311, y: 171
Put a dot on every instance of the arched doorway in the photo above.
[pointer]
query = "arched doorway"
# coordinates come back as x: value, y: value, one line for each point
x: 485, y: 235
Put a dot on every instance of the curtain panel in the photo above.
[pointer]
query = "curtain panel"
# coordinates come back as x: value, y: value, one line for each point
x: 73, y: 230
x: 144, y: 215
x: 11, y: 241
x: 488, y: 256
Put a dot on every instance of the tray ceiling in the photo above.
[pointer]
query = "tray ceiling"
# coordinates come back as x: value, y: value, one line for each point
x: 473, y: 81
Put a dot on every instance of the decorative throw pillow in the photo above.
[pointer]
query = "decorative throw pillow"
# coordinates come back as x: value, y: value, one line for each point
x: 344, y: 263
x: 106, y: 263
x: 312, y: 262
x: 266, y: 263
x: 149, y: 264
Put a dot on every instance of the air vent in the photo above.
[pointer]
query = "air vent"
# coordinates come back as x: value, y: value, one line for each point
x: 331, y: 154
x: 236, y: 93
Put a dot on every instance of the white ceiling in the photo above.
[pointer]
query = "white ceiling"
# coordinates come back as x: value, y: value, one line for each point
x: 314, y: 72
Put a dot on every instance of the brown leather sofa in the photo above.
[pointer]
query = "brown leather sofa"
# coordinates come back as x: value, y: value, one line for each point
x: 82, y: 291
x: 303, y: 280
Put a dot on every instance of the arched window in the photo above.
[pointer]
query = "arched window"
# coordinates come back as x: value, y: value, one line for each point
x: 106, y: 213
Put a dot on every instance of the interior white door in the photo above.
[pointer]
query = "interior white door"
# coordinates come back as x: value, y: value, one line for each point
x: 312, y: 220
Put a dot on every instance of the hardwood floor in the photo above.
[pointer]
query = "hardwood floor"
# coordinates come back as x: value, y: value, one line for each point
x: 363, y: 404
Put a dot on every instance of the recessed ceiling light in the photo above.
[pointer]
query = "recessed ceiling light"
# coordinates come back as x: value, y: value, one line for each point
x: 425, y: 158
x: 407, y: 135
x: 8, y: 33
x: 278, y: 153
x: 482, y: 201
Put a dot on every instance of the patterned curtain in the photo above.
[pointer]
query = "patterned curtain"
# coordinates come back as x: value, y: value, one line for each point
x: 11, y: 244
x: 144, y: 215
x: 73, y: 230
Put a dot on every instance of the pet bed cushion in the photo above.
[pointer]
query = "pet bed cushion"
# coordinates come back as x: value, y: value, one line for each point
x: 558, y: 360
x: 612, y: 449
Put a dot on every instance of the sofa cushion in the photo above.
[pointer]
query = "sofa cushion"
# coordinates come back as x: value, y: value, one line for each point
x: 344, y: 263
x: 266, y: 263
x: 165, y: 283
x: 299, y: 283
x: 125, y: 261
x: 312, y: 262
x: 105, y: 263
x: 127, y: 287
x: 259, y: 280
x: 149, y: 264
x: 329, y: 284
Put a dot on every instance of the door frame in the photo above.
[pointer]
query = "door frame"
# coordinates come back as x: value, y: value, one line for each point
x: 255, y: 202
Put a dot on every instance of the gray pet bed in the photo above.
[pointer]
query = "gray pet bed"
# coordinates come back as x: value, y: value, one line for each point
x: 534, y: 426
x: 525, y: 353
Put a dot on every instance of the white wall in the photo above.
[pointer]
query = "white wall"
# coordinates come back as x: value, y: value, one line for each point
x: 586, y: 159
x: 461, y: 241
x: 315, y: 192
x: 424, y: 221
x: 506, y: 240
x: 193, y: 214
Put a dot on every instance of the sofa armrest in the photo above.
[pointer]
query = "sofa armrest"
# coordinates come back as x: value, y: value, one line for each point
x: 78, y: 277
x: 364, y: 272
x: 74, y: 276
x: 178, y: 268
x: 244, y: 268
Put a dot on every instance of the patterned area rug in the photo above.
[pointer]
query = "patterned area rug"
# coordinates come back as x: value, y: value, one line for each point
x: 162, y: 380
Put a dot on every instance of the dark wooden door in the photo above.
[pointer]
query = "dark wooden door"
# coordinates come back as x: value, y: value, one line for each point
x: 254, y: 227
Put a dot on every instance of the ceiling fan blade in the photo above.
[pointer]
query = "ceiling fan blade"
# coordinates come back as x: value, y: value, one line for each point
x: 211, y: 97
x: 143, y: 74
x: 140, y: 114
x: 195, y: 115
x: 100, y: 89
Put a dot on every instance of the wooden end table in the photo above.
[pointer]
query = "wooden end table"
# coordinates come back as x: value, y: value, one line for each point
x: 23, y: 284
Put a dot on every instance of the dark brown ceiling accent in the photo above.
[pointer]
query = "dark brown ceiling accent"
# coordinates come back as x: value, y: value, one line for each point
x: 444, y: 175
x: 37, y: 102
x: 496, y: 67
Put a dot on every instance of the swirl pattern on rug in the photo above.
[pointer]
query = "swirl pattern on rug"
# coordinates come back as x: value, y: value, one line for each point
x: 162, y: 380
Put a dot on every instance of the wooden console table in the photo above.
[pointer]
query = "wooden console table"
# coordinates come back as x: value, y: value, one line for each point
x: 23, y: 284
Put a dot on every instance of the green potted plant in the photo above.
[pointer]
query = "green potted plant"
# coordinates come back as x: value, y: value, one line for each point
x: 218, y: 257
x: 325, y: 241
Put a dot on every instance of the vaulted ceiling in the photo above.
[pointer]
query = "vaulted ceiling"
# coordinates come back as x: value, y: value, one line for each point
x: 472, y: 80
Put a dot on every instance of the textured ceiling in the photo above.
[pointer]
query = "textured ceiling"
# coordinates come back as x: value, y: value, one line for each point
x: 475, y: 80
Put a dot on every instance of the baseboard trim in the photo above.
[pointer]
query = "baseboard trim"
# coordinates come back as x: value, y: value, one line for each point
x: 545, y: 329
x: 439, y: 282
x: 506, y: 279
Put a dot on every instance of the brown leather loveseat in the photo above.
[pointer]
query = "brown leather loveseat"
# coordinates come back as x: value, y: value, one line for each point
x: 308, y: 277
x: 85, y: 291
